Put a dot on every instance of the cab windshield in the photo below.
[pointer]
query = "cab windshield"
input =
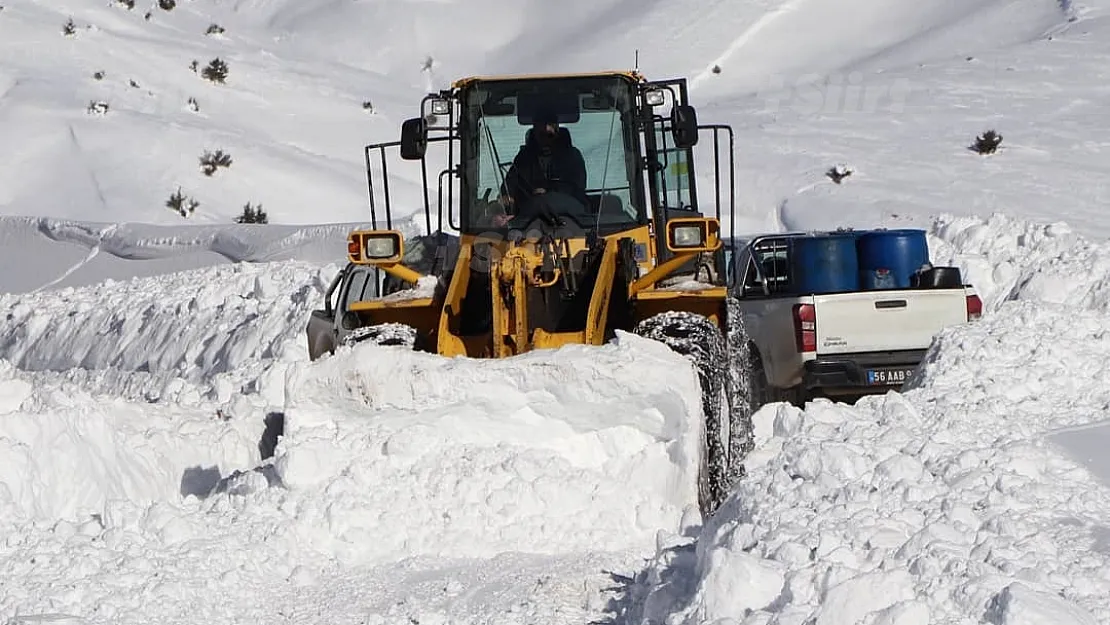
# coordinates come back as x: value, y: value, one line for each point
x: 541, y: 147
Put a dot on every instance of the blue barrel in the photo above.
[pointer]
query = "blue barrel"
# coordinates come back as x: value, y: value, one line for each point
x: 887, y: 258
x: 825, y: 263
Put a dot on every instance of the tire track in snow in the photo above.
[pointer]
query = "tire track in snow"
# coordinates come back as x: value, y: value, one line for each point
x: 740, y: 41
x: 65, y: 274
x: 93, y: 239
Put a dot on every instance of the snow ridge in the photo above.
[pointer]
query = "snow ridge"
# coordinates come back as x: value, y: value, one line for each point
x: 940, y: 504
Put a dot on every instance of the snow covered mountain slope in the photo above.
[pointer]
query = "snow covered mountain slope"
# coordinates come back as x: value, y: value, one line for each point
x: 897, y: 93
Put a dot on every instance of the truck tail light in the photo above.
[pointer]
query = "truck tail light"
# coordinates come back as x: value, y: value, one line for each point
x: 974, y: 307
x: 805, y: 328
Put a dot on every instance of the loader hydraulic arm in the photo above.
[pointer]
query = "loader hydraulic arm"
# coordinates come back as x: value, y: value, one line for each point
x: 660, y: 272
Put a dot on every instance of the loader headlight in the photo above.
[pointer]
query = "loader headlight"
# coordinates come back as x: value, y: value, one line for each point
x: 375, y: 247
x: 693, y: 234
x: 440, y: 107
x: 655, y: 97
x: 379, y: 248
x: 687, y: 236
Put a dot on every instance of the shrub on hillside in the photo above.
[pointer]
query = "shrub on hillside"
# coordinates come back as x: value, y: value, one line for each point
x: 211, y: 161
x: 167, y: 5
x: 987, y: 143
x: 838, y: 173
x: 214, y: 29
x: 216, y: 71
x: 252, y: 215
x: 182, y: 204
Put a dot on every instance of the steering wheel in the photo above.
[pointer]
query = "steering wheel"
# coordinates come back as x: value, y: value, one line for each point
x: 547, y: 207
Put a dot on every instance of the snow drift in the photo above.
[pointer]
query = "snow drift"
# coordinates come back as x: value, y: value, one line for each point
x: 402, y: 461
x: 939, y: 504
x: 547, y: 452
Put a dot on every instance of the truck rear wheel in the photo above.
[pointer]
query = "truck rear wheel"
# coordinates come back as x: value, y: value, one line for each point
x: 762, y: 393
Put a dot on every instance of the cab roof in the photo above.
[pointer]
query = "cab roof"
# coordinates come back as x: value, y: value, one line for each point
x: 632, y: 75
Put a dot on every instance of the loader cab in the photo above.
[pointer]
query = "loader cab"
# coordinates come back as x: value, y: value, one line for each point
x: 592, y: 155
x: 636, y: 139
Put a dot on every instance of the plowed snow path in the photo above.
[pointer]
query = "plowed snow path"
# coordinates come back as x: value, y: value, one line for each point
x: 398, y: 472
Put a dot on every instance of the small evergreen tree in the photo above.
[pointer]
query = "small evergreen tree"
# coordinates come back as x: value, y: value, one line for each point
x: 987, y: 143
x: 181, y: 204
x: 252, y: 215
x: 216, y: 71
x: 838, y: 173
x: 210, y: 161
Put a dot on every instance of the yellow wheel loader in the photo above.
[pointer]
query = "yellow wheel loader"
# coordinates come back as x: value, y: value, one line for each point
x: 577, y: 214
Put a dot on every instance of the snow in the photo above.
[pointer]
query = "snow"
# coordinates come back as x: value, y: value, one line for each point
x: 1085, y: 445
x: 389, y: 459
x: 146, y: 358
x: 945, y: 501
x: 547, y: 452
x: 424, y: 287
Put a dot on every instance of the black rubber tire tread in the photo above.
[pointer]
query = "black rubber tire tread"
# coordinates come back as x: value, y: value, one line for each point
x: 398, y: 334
x: 697, y: 338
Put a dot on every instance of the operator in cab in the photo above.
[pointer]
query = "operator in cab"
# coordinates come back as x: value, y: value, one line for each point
x: 547, y: 162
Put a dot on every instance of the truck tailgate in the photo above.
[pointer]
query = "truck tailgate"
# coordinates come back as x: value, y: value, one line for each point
x: 872, y: 321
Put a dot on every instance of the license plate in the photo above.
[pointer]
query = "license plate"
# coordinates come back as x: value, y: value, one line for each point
x: 889, y: 376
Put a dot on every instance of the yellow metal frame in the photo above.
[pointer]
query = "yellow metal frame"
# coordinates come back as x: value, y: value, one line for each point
x: 469, y: 80
x: 514, y: 269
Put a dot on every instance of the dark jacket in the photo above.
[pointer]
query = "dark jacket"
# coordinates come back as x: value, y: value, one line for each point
x: 559, y: 168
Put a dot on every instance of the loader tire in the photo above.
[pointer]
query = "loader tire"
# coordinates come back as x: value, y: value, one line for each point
x: 384, y: 334
x: 698, y: 339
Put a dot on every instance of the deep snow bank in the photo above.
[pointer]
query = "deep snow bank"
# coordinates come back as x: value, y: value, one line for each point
x: 66, y: 454
x: 939, y: 505
x: 548, y: 452
x: 416, y: 489
x: 1013, y: 259
x: 942, y: 504
x: 227, y: 325
x: 53, y: 253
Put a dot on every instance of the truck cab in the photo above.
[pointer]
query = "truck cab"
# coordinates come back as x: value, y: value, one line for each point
x: 326, y: 328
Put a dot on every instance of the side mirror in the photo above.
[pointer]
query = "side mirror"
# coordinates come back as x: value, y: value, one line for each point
x: 414, y: 138
x: 349, y: 321
x: 684, y: 126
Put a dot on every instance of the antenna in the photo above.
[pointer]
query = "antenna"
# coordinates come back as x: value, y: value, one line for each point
x: 637, y: 59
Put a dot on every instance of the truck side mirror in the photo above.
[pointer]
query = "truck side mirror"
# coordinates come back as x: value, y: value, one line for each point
x: 349, y: 321
x: 414, y: 138
x: 684, y: 126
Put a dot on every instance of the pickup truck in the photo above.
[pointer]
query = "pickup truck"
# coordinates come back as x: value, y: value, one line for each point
x: 838, y: 344
x: 335, y: 325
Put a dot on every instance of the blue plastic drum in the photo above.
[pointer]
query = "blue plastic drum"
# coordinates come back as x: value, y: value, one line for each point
x: 887, y: 258
x: 826, y: 263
